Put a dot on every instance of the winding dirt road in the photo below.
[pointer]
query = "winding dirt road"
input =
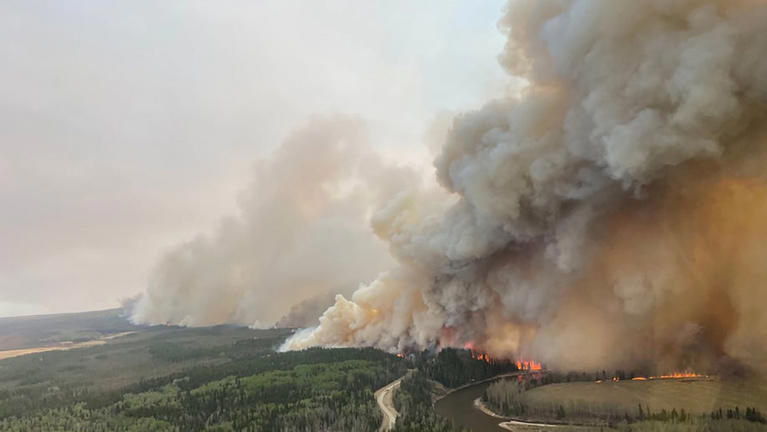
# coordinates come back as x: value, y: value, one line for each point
x: 385, y: 398
x: 509, y: 425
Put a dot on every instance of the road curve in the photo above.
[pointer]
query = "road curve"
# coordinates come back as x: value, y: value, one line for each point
x: 385, y: 398
x: 509, y: 425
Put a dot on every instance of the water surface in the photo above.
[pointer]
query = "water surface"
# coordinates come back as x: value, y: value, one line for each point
x: 459, y: 407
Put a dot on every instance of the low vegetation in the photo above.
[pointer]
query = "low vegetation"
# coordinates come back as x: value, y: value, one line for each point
x: 669, y: 404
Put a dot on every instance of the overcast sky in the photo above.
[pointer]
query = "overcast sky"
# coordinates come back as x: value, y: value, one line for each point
x: 128, y: 127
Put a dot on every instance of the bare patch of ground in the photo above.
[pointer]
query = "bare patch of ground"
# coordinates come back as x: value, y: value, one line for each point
x: 63, y: 346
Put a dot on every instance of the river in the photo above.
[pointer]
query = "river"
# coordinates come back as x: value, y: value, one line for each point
x: 458, y: 406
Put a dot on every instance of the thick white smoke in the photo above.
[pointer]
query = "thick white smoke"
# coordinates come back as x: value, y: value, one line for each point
x: 302, y: 232
x: 584, y: 219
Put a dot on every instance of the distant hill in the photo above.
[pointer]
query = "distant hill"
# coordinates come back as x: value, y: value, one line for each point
x: 44, y: 330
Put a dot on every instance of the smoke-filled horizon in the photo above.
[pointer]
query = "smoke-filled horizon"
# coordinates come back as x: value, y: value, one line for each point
x: 130, y: 127
x: 301, y: 236
x: 610, y: 215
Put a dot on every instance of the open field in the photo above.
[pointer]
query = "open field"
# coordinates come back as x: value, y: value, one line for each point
x: 61, y: 346
x: 679, y: 405
x: 695, y: 396
x: 34, y: 332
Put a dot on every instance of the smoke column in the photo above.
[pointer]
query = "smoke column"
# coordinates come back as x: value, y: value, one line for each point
x: 302, y: 235
x: 613, y: 214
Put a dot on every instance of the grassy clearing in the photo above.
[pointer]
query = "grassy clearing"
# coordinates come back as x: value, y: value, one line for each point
x: 648, y: 426
x: 673, y: 405
x: 694, y: 396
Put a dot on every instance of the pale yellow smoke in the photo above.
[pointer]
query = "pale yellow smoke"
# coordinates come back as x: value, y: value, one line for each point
x: 302, y: 232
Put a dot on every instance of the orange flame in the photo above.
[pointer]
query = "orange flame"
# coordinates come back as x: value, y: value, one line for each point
x: 673, y: 375
x: 679, y: 375
x: 522, y: 365
x: 476, y: 354
x: 529, y: 365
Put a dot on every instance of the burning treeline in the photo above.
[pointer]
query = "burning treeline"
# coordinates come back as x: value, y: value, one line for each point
x: 613, y: 214
x: 534, y: 366
x: 522, y: 365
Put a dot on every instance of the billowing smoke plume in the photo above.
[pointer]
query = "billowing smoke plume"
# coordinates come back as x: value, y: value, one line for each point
x: 614, y: 213
x: 302, y: 231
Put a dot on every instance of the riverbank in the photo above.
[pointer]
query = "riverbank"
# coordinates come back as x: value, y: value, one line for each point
x: 464, y: 406
x: 513, y: 424
x: 474, y: 383
x: 510, y: 422
x: 457, y: 405
x: 480, y: 405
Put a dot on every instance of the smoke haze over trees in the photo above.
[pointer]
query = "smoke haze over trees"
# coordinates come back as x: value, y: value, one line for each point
x: 611, y: 213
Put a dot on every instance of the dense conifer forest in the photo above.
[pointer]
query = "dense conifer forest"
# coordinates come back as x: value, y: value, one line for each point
x: 310, y: 390
x: 224, y: 379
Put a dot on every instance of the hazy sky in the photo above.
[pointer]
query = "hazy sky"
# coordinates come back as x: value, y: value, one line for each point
x: 128, y: 127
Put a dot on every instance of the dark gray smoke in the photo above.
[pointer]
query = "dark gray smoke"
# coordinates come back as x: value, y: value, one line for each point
x: 612, y: 213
